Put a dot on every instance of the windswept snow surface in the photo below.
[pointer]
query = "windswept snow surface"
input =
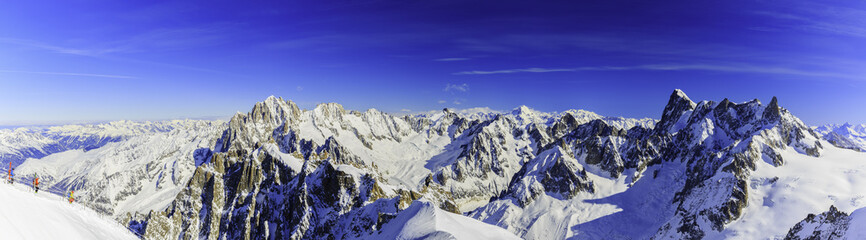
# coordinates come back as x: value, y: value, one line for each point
x: 423, y: 220
x: 28, y: 215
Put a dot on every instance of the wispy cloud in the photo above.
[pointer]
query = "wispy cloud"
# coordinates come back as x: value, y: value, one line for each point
x: 172, y: 39
x: 746, y: 69
x: 565, y: 42
x: 71, y: 74
x: 779, y: 15
x: 818, y: 18
x: 674, y: 67
x: 454, y: 87
x: 442, y: 101
x: 342, y: 42
x: 50, y: 47
x: 450, y: 59
x: 155, y: 40
x: 161, y: 39
x: 520, y: 70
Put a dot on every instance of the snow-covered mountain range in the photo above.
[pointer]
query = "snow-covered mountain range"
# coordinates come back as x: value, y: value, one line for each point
x: 18, y: 144
x: 141, y: 169
x: 705, y: 169
x: 845, y: 135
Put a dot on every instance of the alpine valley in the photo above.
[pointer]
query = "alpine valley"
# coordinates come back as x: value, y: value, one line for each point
x: 704, y: 170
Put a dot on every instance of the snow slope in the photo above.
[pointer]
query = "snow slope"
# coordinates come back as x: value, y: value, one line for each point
x: 857, y: 224
x: 423, y: 220
x: 27, y: 215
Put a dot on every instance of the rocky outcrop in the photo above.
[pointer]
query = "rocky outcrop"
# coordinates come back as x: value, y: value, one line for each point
x: 828, y: 225
x: 553, y: 172
x: 678, y: 105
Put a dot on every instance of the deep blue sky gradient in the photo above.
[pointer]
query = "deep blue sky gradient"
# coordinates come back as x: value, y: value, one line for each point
x: 75, y: 61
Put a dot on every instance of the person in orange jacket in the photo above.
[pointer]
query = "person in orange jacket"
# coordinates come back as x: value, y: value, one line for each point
x: 70, y: 196
x: 36, y: 182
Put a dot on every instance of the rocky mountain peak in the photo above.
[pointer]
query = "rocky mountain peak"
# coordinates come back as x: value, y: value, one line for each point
x: 524, y: 114
x: 831, y: 224
x: 724, y: 105
x: 678, y: 105
x: 329, y: 110
x: 773, y: 111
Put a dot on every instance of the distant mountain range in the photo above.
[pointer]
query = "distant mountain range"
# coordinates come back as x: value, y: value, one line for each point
x: 705, y: 169
x: 845, y: 135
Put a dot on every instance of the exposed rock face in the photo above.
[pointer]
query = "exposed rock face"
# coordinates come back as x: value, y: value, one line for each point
x: 679, y: 105
x: 553, y: 172
x: 828, y: 225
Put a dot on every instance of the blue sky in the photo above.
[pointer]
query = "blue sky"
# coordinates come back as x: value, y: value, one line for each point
x: 80, y: 61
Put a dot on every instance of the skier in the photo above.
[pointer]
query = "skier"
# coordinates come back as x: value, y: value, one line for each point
x: 11, y: 175
x: 70, y: 197
x: 36, y: 182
